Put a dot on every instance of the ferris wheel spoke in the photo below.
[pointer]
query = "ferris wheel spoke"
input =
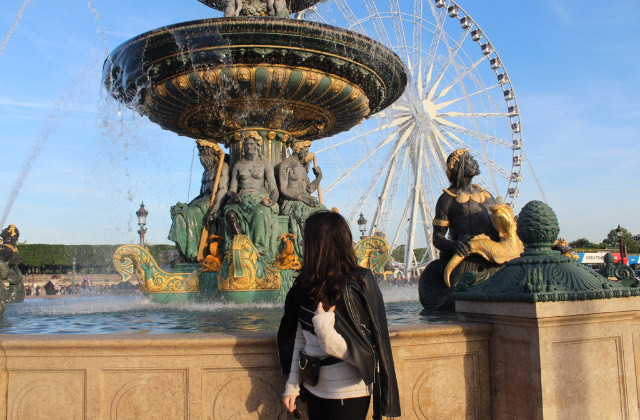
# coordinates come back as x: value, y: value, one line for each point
x: 458, y: 79
x: 427, y: 218
x: 453, y: 114
x: 378, y: 25
x: 349, y: 140
x: 469, y: 105
x: 397, y: 167
x: 388, y: 163
x: 403, y: 220
x: 439, y: 133
x: 416, y: 187
x: 398, y: 25
x: 363, y: 159
x: 473, y: 133
x: 453, y: 52
x: 395, y: 186
x: 349, y: 16
x: 484, y: 159
x: 442, y: 105
x: 437, y: 152
x: 439, y: 19
x: 461, y: 143
x: 393, y: 159
x: 417, y: 30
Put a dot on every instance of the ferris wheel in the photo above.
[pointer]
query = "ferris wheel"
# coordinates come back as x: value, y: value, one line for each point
x: 391, y: 167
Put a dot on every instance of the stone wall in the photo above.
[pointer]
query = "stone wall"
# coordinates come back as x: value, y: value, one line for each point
x: 443, y: 371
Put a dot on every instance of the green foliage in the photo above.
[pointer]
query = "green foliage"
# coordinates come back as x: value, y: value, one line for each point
x: 156, y: 250
x: 50, y: 258
x: 613, y: 241
x: 584, y: 243
x: 398, y: 253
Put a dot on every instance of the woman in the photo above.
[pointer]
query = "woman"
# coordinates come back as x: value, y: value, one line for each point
x: 335, y: 309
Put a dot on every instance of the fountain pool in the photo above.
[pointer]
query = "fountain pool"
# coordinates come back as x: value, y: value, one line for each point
x: 110, y: 314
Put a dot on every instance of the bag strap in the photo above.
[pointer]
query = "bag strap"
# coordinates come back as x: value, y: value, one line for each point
x: 329, y: 361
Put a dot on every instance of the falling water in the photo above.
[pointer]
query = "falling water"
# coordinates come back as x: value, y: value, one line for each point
x: 54, y: 116
x: 13, y: 26
x: 100, y: 28
x: 58, y: 113
x: 35, y: 151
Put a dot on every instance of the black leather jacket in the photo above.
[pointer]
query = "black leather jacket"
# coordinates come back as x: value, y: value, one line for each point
x: 361, y: 320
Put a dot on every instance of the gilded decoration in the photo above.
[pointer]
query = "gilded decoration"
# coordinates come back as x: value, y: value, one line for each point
x: 213, y: 261
x: 307, y: 106
x: 134, y: 260
x: 281, y: 78
x: 508, y: 248
x: 542, y: 274
x: 287, y: 259
x: 373, y: 253
x: 245, y: 270
x: 353, y: 81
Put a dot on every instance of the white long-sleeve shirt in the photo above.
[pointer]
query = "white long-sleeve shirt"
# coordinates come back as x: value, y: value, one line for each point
x: 337, y: 381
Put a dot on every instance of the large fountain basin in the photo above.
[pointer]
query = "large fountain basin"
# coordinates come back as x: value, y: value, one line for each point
x: 207, y: 78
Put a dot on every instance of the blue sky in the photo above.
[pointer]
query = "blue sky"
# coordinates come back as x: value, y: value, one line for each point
x: 76, y: 165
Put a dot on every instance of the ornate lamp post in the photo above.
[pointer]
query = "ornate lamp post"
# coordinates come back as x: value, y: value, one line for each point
x: 619, y: 233
x: 73, y: 277
x: 142, y: 214
x: 362, y: 224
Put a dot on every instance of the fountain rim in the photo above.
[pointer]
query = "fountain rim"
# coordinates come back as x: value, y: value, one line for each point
x: 142, y: 61
x: 257, y: 19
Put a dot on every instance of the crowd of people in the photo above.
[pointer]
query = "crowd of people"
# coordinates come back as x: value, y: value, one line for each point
x: 54, y: 287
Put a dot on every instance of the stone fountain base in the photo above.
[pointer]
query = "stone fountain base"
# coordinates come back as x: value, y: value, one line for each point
x: 552, y: 360
x: 443, y: 371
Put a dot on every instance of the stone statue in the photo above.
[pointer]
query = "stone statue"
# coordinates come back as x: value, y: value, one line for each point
x: 8, y: 244
x: 464, y: 210
x: 276, y: 8
x: 9, y: 271
x: 296, y: 189
x: 252, y: 207
x: 189, y: 220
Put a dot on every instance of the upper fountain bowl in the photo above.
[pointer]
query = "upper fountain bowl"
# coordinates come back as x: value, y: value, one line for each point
x: 212, y: 77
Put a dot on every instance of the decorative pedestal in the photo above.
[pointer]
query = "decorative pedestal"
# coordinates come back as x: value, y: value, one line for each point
x: 563, y: 343
x: 562, y: 360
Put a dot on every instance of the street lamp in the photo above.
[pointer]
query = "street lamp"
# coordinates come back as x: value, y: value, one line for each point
x: 142, y: 214
x: 362, y: 224
x: 73, y: 277
x: 619, y: 233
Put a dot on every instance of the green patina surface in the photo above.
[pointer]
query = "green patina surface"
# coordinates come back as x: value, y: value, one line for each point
x: 541, y: 274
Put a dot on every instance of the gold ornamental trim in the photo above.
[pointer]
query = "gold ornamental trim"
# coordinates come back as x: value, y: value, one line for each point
x: 246, y: 271
x: 373, y: 253
x: 440, y: 222
x: 135, y: 261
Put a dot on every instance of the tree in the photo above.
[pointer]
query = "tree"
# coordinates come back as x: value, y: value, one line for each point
x: 582, y: 243
x: 613, y: 241
x: 398, y: 254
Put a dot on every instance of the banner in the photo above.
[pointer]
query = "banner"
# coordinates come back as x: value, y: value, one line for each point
x: 598, y: 257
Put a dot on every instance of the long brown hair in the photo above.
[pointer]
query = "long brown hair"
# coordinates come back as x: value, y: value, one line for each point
x: 328, y: 256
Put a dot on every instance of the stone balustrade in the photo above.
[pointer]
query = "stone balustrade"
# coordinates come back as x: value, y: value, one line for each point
x: 443, y: 371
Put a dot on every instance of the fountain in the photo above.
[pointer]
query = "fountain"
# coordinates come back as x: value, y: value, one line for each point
x: 252, y: 77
